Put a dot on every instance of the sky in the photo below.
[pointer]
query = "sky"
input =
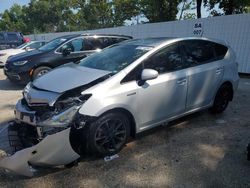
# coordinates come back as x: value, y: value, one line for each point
x: 6, y: 4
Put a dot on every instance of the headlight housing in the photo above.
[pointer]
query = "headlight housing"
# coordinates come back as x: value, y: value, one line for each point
x: 19, y: 63
x: 65, y: 111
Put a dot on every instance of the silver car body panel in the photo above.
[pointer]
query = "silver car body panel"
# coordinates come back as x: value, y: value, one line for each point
x: 181, y: 101
x: 35, y: 97
x: 53, y: 150
x: 76, y: 76
x: 62, y: 119
x: 169, y: 96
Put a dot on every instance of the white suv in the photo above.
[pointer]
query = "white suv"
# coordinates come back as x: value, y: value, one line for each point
x: 129, y: 88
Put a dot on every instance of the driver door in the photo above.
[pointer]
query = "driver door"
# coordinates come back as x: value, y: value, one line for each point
x: 165, y: 96
x: 76, y: 49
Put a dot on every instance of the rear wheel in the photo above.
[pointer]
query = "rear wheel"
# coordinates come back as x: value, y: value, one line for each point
x: 222, y: 99
x: 38, y: 72
x: 108, y: 134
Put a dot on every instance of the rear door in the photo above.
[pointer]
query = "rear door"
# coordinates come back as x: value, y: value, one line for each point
x: 205, y: 72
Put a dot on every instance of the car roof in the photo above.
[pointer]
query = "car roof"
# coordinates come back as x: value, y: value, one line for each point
x: 68, y: 37
x: 153, y: 42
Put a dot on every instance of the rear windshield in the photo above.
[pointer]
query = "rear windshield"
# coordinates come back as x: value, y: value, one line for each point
x: 115, y: 58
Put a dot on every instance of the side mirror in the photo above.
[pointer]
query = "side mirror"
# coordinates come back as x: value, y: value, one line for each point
x: 66, y: 51
x: 149, y: 74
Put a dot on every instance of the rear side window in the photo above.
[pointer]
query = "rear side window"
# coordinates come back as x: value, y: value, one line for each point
x: 12, y: 37
x: 93, y: 43
x: 101, y: 42
x: 198, y: 52
x: 220, y: 51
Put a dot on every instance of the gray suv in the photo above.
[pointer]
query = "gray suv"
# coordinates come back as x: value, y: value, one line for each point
x: 126, y: 89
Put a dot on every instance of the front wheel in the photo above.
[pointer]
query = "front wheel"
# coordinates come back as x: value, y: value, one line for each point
x: 222, y: 98
x: 108, y: 134
x: 38, y: 72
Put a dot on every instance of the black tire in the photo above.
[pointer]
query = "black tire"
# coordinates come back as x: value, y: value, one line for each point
x: 108, y: 134
x: 39, y: 71
x: 222, y: 98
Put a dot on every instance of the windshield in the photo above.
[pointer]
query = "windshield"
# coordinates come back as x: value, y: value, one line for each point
x: 115, y: 58
x: 53, y: 44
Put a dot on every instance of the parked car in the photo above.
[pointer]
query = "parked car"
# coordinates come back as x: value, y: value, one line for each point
x: 127, y: 89
x: 29, y: 46
x: 72, y: 48
x: 10, y: 39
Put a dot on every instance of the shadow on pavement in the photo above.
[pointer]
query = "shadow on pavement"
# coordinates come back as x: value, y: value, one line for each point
x: 7, y: 85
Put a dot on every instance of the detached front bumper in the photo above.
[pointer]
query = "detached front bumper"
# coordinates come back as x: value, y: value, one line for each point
x: 54, y: 150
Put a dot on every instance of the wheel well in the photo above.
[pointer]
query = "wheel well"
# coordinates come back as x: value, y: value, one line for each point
x: 230, y: 85
x: 40, y: 65
x: 129, y: 115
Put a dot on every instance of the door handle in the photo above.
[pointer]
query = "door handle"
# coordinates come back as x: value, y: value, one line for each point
x: 182, y: 81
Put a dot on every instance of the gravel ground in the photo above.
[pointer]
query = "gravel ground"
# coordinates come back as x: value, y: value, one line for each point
x: 200, y: 150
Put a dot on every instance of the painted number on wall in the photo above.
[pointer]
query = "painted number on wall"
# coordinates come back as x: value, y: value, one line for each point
x: 198, y: 29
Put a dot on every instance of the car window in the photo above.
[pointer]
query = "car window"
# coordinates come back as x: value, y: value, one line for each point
x: 92, y: 43
x: 108, y: 41
x: 12, y: 37
x: 197, y: 52
x: 135, y: 74
x: 166, y: 60
x: 75, y: 45
x: 35, y: 45
x: 220, y: 51
x: 122, y: 56
x: 53, y: 44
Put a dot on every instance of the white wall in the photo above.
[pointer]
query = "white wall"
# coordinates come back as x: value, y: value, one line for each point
x: 235, y: 29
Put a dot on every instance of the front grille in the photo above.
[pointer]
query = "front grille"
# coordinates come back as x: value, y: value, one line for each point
x: 39, y: 108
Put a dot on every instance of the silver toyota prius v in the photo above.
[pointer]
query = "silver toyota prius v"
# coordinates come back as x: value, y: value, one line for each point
x: 125, y: 89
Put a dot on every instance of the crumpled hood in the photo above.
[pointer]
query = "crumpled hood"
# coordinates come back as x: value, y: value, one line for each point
x: 68, y: 77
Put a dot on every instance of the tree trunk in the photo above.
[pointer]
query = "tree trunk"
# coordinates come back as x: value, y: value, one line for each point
x: 198, y: 2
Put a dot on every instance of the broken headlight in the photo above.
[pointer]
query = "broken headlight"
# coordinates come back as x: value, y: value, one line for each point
x: 65, y: 111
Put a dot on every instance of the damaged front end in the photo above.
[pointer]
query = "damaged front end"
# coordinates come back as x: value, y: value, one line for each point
x: 49, y: 126
x: 44, y: 131
x: 48, y: 112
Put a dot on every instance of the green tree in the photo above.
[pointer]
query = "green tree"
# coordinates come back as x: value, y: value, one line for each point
x: 158, y: 11
x: 228, y: 6
x: 13, y: 19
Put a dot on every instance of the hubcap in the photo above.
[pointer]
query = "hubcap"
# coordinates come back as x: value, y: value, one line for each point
x: 42, y: 72
x: 110, y: 135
